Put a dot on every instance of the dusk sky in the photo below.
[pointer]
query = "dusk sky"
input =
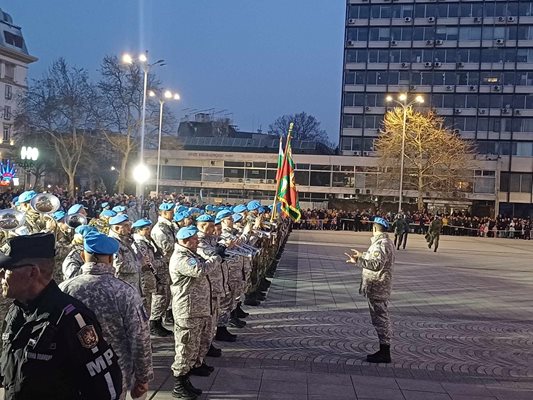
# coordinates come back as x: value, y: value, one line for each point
x: 257, y: 60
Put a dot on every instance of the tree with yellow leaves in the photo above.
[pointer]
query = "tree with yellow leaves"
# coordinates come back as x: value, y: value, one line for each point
x: 435, y: 159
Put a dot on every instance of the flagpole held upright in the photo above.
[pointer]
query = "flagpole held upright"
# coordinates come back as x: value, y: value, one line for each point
x: 281, y: 158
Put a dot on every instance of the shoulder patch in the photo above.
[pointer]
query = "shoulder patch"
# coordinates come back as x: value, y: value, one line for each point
x: 68, y: 309
x: 88, y: 337
x: 191, y: 262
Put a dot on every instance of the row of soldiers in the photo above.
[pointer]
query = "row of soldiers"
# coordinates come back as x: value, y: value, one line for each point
x: 191, y: 267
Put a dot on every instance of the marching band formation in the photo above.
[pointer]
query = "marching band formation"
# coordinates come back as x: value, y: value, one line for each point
x: 193, y: 268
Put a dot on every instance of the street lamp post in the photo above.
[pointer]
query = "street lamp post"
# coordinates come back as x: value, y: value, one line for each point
x: 28, y: 155
x: 142, y: 60
x: 167, y: 95
x: 402, y: 102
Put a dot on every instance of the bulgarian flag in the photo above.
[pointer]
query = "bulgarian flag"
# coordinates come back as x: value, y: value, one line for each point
x: 287, y: 193
x: 280, y: 158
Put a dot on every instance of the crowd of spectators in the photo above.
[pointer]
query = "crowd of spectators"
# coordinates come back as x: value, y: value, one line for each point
x: 457, y: 224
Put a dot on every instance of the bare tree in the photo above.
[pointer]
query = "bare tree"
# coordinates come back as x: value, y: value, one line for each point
x: 435, y: 159
x: 121, y: 88
x: 306, y: 127
x: 63, y: 104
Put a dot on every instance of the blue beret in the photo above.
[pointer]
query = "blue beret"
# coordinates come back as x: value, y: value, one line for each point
x: 381, y: 221
x: 180, y: 216
x: 98, y: 243
x: 118, y: 219
x: 194, y: 210
x: 83, y: 230
x: 237, y: 217
x: 180, y: 208
x: 108, y: 213
x: 166, y: 206
x: 205, y: 218
x: 76, y: 208
x: 209, y: 207
x: 105, y: 204
x: 261, y: 210
x: 223, y: 214
x: 141, y: 223
x: 253, y: 205
x: 59, y: 215
x: 119, y: 209
x: 15, y: 199
x: 186, y: 232
x: 27, y: 196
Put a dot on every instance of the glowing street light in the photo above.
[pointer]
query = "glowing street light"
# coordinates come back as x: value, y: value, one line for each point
x: 167, y: 95
x: 402, y: 102
x: 141, y: 173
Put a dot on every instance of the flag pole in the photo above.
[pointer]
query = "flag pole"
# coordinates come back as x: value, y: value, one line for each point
x: 275, y: 203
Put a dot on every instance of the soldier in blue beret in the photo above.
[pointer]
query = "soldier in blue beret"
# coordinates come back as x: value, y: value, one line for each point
x: 49, y: 337
x: 118, y: 307
x: 376, y: 265
x: 77, y: 209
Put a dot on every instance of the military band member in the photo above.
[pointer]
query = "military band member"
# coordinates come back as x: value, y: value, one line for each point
x: 73, y: 261
x: 183, y: 219
x: 34, y: 222
x: 376, y: 282
x: 154, y: 276
x: 127, y: 264
x: 119, y: 308
x: 77, y: 209
x: 433, y: 234
x: 193, y: 310
x: 53, y: 346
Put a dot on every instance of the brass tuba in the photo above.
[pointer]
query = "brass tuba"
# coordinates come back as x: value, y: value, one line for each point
x: 75, y: 220
x: 11, y: 219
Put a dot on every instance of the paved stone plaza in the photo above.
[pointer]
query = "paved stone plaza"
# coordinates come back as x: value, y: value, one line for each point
x: 462, y: 319
x: 463, y: 326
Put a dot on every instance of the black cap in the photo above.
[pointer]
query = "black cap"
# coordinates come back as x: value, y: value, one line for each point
x: 39, y: 245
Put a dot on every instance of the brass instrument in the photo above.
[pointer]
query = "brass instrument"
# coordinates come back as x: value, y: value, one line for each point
x: 75, y: 220
x: 11, y: 219
x: 45, y: 203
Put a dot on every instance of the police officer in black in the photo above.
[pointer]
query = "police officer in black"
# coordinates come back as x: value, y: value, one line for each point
x: 52, y: 345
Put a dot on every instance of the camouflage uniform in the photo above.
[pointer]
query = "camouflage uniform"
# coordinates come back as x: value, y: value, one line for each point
x: 146, y: 248
x: 72, y: 263
x: 127, y: 264
x: 163, y: 235
x: 121, y: 313
x: 218, y: 277
x: 433, y: 234
x: 400, y: 232
x: 63, y: 240
x: 376, y: 283
x: 192, y: 307
x: 238, y: 270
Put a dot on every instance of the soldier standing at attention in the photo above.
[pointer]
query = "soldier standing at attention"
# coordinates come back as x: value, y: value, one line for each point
x: 192, y: 307
x: 400, y: 230
x: 433, y: 234
x: 376, y: 282
x: 53, y: 347
x: 119, y: 308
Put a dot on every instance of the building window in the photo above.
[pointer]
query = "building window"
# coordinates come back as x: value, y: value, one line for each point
x: 9, y: 92
x: 13, y: 40
x: 9, y: 71
x: 7, y: 112
x: 7, y: 133
x: 192, y: 173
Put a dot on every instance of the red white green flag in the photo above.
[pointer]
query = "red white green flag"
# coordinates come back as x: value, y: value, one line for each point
x: 287, y: 193
x: 280, y: 158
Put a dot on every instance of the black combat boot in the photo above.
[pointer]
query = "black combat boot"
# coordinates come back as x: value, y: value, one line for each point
x: 224, y: 336
x: 169, y: 318
x: 382, y: 356
x: 202, y: 370
x: 190, y: 387
x: 250, y: 300
x: 239, y: 312
x: 264, y: 285
x: 182, y: 390
x: 214, y: 352
x: 236, y: 322
x: 157, y: 329
x: 259, y: 295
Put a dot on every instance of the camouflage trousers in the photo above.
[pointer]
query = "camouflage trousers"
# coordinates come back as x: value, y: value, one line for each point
x: 433, y: 239
x: 160, y: 302
x: 149, y: 287
x: 226, y: 306
x: 379, y: 314
x: 191, y: 336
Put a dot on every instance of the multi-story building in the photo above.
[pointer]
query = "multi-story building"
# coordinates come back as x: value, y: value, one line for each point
x: 471, y: 60
x: 14, y: 61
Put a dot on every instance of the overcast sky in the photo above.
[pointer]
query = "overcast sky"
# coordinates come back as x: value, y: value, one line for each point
x: 255, y: 59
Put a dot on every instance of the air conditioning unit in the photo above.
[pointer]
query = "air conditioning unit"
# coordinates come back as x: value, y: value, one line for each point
x: 429, y: 42
x: 507, y: 106
x: 482, y: 111
x: 393, y: 43
x: 240, y: 180
x: 368, y: 191
x: 261, y: 181
x: 439, y: 42
x: 500, y: 42
x: 437, y: 64
x: 405, y: 65
x: 351, y: 21
x: 477, y: 19
x: 517, y: 112
x: 367, y: 108
x: 456, y: 131
x: 407, y: 19
x: 457, y: 111
x: 449, y: 88
x: 428, y: 64
x: 431, y: 19
x: 226, y: 179
x: 365, y: 153
x: 356, y: 153
x: 472, y: 88
x: 351, y: 42
x: 497, y: 88
x: 511, y: 19
x: 460, y: 64
x: 357, y: 191
x: 412, y: 87
x: 501, y: 19
x: 505, y: 111
x: 270, y: 181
